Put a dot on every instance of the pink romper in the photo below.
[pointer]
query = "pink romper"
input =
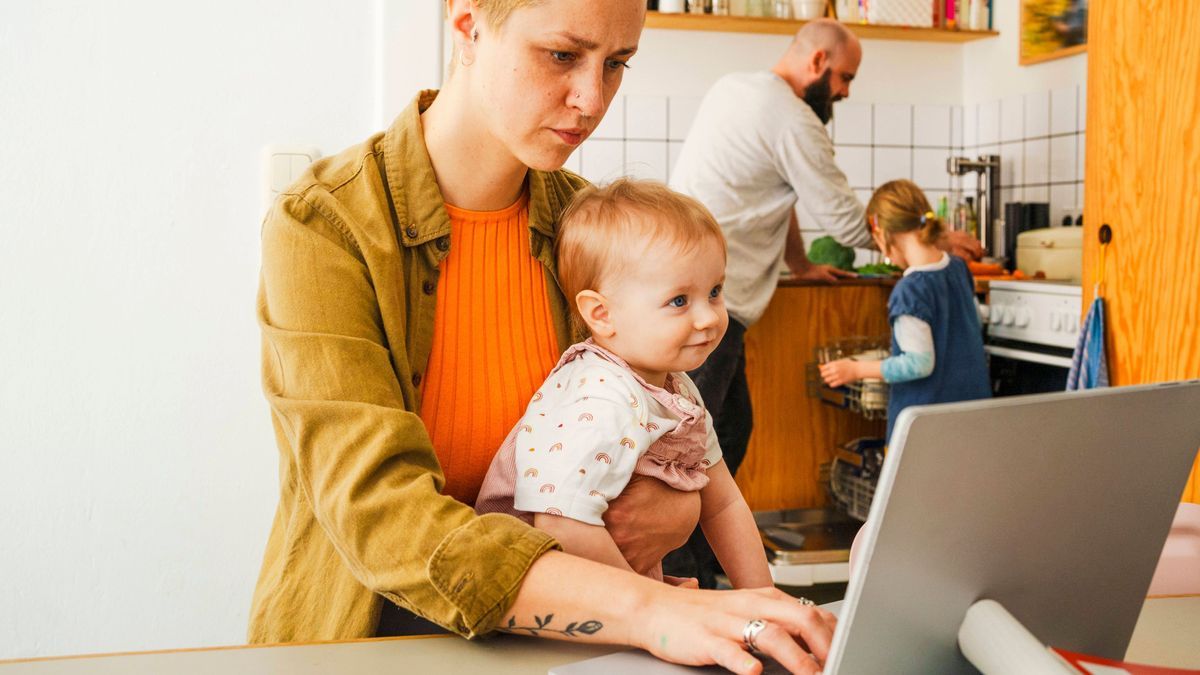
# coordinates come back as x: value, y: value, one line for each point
x: 591, y: 426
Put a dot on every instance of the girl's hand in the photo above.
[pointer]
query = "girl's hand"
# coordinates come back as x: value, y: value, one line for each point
x: 705, y: 627
x: 840, y: 373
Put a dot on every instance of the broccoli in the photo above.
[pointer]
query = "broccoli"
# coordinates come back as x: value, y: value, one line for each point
x: 826, y: 251
x: 879, y: 269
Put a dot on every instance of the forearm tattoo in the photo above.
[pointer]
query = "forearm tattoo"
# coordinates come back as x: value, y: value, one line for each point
x: 573, y: 629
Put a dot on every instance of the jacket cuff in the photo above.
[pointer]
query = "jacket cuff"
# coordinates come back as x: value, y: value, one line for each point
x: 479, y: 568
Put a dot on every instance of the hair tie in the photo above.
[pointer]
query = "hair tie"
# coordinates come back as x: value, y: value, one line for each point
x: 927, y: 216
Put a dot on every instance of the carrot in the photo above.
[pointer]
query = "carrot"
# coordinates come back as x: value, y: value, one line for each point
x: 985, y: 269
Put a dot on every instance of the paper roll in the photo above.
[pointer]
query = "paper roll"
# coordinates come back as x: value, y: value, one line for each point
x: 997, y: 644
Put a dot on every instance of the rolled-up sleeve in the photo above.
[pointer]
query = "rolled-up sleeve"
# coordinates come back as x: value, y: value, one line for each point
x: 360, y: 456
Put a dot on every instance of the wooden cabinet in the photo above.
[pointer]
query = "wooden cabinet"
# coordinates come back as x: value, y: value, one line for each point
x: 1143, y: 179
x: 794, y: 434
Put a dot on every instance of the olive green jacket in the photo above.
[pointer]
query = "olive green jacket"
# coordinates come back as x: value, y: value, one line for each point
x: 346, y: 305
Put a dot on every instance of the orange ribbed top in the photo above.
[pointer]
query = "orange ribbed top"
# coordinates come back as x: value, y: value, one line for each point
x: 493, y: 342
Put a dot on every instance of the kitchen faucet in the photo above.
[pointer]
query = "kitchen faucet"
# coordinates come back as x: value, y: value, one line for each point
x: 987, y: 194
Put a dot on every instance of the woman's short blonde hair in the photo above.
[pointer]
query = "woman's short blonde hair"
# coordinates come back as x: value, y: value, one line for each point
x: 606, y: 229
x: 900, y: 206
x: 496, y: 12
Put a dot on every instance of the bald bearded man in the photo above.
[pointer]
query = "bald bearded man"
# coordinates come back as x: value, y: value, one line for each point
x: 757, y: 152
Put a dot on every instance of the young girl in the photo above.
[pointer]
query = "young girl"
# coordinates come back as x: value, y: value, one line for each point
x: 937, y: 346
x: 643, y: 266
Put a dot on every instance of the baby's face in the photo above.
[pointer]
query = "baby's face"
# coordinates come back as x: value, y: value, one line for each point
x: 668, y: 310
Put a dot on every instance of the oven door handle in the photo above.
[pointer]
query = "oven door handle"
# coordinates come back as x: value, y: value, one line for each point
x: 1033, y: 357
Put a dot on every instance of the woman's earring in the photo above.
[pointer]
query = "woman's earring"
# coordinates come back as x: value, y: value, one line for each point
x: 462, y: 54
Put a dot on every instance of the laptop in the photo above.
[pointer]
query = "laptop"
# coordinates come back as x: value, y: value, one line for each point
x: 1054, y: 505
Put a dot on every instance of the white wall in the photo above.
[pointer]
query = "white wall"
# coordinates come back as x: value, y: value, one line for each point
x: 137, y: 465
x: 991, y: 68
x: 687, y: 63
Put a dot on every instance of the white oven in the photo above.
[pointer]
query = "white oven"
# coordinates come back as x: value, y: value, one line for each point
x: 1031, y: 333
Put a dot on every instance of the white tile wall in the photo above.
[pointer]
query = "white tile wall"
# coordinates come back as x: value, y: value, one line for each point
x: 1037, y: 161
x: 970, y: 127
x: 1063, y: 202
x: 852, y: 123
x: 989, y: 123
x: 673, y: 149
x: 891, y: 164
x: 855, y: 162
x: 681, y: 112
x: 1039, y: 137
x: 1081, y: 118
x: 646, y: 159
x: 929, y: 168
x: 1063, y: 109
x: 1037, y: 114
x: 931, y: 125
x: 603, y: 159
x: 1012, y: 164
x: 1062, y: 158
x: 893, y: 124
x: 612, y: 127
x: 1012, y: 119
x: 646, y: 117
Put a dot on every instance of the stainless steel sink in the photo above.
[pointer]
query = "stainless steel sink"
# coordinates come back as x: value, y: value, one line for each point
x: 806, y: 536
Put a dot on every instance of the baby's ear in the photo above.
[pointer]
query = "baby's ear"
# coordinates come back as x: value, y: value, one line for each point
x: 593, y: 307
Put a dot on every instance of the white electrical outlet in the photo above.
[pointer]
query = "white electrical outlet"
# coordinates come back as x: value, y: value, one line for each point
x: 281, y: 166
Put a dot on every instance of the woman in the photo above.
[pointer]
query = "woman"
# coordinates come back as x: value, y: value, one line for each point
x: 408, y: 304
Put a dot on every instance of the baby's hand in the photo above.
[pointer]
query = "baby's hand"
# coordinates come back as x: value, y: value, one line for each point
x: 839, y: 373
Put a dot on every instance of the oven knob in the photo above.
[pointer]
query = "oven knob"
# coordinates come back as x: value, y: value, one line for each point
x: 1022, y: 317
x: 1010, y: 316
x: 1056, y: 324
x: 996, y: 314
x: 1073, y: 322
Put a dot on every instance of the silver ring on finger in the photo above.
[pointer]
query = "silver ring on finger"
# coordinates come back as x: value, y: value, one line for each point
x: 750, y: 634
x: 806, y: 602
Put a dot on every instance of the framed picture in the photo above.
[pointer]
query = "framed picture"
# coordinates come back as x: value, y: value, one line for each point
x: 1052, y: 29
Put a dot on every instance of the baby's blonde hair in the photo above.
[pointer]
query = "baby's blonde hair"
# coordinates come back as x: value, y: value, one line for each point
x: 604, y: 227
x: 900, y: 206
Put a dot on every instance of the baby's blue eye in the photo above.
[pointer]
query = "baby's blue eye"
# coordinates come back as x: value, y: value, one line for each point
x: 715, y: 292
x: 678, y: 301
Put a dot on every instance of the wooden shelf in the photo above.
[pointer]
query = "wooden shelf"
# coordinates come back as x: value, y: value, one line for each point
x: 748, y: 24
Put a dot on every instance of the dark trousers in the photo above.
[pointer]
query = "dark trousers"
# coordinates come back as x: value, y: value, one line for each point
x: 722, y: 384
x: 395, y: 621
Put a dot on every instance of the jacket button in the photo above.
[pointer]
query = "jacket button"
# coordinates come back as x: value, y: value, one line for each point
x: 416, y: 379
x: 443, y: 243
x: 411, y: 232
x: 428, y: 287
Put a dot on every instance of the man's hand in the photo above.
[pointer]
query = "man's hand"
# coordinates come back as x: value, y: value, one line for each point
x: 822, y: 273
x: 961, y: 244
x: 650, y: 519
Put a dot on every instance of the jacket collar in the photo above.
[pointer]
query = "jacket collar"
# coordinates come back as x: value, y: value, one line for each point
x: 412, y: 184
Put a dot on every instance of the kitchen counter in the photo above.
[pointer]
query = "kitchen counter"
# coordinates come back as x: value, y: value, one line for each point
x: 1165, y: 636
x: 789, y: 282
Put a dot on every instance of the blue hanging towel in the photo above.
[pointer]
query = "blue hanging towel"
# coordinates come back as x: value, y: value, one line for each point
x: 1089, y: 364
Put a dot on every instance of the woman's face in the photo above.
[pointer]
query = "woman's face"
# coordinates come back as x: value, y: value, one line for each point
x: 544, y: 80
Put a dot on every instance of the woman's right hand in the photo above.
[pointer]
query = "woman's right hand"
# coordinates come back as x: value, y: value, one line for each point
x: 705, y: 627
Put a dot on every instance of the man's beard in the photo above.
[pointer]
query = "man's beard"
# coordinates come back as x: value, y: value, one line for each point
x: 819, y: 97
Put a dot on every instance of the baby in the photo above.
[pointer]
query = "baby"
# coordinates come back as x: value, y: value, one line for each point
x: 642, y: 267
